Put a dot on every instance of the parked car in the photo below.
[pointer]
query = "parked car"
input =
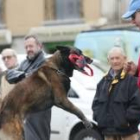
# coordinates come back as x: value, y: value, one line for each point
x: 66, y: 126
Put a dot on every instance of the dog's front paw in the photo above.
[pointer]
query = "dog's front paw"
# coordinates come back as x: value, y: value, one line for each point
x: 88, y: 124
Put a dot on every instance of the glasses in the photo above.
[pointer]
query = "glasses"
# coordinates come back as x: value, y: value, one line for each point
x: 7, y: 57
x: 134, y: 15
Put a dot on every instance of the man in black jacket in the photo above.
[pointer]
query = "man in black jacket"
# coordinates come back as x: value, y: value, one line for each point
x: 116, y: 105
x: 37, y: 125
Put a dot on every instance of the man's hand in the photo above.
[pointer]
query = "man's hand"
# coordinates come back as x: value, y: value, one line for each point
x: 130, y: 67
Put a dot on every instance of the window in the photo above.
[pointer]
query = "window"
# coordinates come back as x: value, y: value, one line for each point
x: 115, y: 10
x: 72, y: 93
x: 67, y: 9
x: 1, y: 11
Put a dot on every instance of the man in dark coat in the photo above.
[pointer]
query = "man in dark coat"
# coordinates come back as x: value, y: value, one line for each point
x: 116, y: 105
x: 36, y: 125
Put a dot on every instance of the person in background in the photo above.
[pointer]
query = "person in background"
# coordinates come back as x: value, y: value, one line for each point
x: 116, y: 105
x: 9, y: 58
x: 133, y: 14
x: 36, y: 125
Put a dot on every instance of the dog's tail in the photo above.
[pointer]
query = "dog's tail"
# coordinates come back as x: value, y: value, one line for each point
x: 4, y: 111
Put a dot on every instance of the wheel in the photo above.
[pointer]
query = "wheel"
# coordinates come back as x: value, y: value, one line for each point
x: 88, y: 135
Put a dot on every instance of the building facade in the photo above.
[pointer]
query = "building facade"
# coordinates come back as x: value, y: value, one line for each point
x: 19, y: 17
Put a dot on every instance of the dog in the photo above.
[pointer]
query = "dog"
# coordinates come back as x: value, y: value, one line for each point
x: 46, y: 87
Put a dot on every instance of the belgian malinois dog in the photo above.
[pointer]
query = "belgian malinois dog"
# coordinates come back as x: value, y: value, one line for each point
x: 46, y: 87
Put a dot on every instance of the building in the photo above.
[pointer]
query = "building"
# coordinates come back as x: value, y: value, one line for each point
x: 54, y: 19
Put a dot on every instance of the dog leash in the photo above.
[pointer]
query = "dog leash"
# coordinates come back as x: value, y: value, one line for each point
x: 60, y: 72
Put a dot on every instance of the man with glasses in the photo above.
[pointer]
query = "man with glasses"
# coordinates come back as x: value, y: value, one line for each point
x: 133, y: 14
x: 10, y: 61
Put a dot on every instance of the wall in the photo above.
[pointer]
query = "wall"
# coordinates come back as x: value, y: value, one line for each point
x: 23, y: 14
x: 91, y: 10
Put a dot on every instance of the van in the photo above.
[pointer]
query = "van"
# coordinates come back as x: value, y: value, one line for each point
x: 97, y: 43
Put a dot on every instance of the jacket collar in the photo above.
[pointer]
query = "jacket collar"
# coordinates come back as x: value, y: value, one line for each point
x: 121, y: 74
x: 114, y: 80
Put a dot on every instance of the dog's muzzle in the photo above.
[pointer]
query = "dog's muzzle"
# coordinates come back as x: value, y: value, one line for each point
x: 80, y: 63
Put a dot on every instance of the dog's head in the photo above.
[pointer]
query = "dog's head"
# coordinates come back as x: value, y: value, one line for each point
x: 75, y: 58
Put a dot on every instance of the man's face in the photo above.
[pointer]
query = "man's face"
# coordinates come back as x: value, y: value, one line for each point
x: 9, y: 60
x: 135, y: 19
x: 32, y: 47
x: 116, y: 60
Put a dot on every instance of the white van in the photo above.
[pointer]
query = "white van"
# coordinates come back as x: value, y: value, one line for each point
x: 97, y: 43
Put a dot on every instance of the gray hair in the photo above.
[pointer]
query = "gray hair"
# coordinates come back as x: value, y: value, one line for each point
x: 12, y: 51
x: 116, y: 49
x: 35, y: 38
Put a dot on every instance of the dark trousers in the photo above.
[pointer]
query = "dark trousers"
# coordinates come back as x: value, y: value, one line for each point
x: 37, y: 126
x: 130, y: 137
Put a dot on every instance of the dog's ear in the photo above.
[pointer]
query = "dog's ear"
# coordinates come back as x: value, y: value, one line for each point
x: 62, y: 48
x: 77, y: 51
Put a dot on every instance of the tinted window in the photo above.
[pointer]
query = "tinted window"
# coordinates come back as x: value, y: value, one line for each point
x: 67, y: 9
x: 72, y: 93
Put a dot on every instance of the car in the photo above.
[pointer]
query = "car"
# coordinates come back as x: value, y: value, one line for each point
x: 66, y: 126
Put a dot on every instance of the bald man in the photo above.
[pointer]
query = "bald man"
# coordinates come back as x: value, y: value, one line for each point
x: 116, y: 104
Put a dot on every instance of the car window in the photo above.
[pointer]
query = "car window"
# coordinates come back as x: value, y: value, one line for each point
x: 72, y: 93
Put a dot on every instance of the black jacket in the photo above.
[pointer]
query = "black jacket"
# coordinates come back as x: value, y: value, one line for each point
x: 37, y: 125
x: 26, y: 68
x: 116, y: 105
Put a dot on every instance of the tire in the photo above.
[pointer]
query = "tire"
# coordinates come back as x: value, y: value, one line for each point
x: 88, y: 135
